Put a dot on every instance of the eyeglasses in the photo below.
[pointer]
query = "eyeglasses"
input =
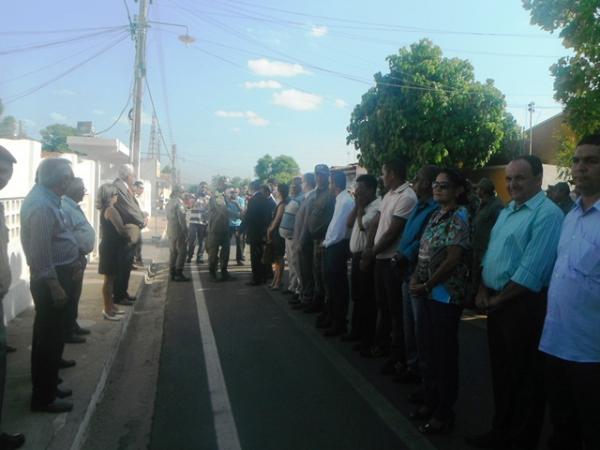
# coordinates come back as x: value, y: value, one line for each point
x: 442, y: 186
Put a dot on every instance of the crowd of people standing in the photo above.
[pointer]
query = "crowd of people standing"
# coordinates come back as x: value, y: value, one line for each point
x: 421, y: 253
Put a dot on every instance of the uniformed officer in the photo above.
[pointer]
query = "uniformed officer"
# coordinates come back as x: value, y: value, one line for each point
x: 7, y: 441
x: 177, y: 233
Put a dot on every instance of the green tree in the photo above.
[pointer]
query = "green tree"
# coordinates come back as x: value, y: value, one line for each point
x: 512, y: 142
x: 9, y: 128
x: 576, y: 77
x: 54, y: 137
x: 282, y: 168
x: 567, y: 141
x: 428, y: 109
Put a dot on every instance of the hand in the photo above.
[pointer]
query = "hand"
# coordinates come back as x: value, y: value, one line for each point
x: 493, y: 302
x: 418, y: 289
x: 399, y: 261
x: 365, y: 261
x: 59, y: 296
x: 482, y: 298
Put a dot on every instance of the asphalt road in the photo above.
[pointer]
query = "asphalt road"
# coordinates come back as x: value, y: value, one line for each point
x: 240, y: 369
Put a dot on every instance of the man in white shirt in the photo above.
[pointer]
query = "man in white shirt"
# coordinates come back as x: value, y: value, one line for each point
x: 336, y: 255
x: 364, y: 310
x: 396, y: 207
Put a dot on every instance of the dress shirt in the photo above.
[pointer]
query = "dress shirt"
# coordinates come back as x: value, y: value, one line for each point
x: 45, y: 235
x: 359, y: 238
x: 522, y: 245
x: 485, y: 218
x: 81, y: 228
x: 411, y: 236
x: 286, y: 227
x: 338, y: 229
x: 301, y: 225
x: 320, y: 213
x: 399, y: 202
x: 572, y: 327
x: 5, y: 276
x: 198, y: 213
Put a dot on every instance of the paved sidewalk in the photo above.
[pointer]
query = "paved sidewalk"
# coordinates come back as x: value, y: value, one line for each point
x: 94, y: 359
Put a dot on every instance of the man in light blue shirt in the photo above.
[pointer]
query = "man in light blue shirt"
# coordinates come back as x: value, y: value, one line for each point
x: 86, y: 238
x: 516, y: 271
x: 337, y: 252
x: 571, y: 336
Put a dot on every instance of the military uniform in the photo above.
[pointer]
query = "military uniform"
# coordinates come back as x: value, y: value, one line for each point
x: 219, y: 235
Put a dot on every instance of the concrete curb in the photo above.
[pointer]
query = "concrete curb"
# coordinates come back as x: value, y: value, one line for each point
x: 83, y: 429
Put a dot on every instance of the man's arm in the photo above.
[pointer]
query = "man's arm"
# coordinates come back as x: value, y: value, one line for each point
x: 390, y: 236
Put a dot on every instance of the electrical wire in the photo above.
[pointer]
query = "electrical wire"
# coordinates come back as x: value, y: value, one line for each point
x: 30, y: 91
x: 163, y: 79
x: 167, y: 148
x: 118, y: 118
x: 61, y: 42
x: 71, y: 30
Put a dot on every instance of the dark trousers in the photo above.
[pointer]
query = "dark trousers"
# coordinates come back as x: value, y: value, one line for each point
x: 364, y: 308
x: 336, y: 273
x: 440, y: 353
x: 239, y: 243
x: 514, y: 332
x: 259, y: 270
x: 218, y: 246
x: 305, y: 253
x: 73, y: 306
x: 320, y: 287
x: 177, y: 254
x: 388, y: 292
x: 2, y: 359
x: 123, y: 272
x: 48, y: 336
x: 573, y: 392
x: 196, y: 236
x: 138, y: 252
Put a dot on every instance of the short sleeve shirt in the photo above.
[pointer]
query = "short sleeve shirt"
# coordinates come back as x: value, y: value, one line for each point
x: 397, y: 203
x: 359, y: 238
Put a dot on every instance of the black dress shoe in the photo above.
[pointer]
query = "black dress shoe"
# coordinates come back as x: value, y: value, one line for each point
x: 253, y: 283
x: 123, y: 302
x: 131, y: 298
x: 420, y: 414
x: 80, y: 331
x: 57, y: 406
x: 179, y: 277
x: 350, y: 337
x: 408, y: 376
x: 225, y: 276
x: 11, y: 441
x: 74, y: 339
x: 63, y: 393
x: 334, y: 331
x: 66, y: 363
x: 10, y: 349
x: 431, y: 429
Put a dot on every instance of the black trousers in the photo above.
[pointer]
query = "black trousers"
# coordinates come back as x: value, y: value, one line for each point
x: 336, y: 273
x: 320, y: 288
x: 573, y: 392
x: 124, y: 263
x: 239, y: 243
x: 48, y: 335
x: 514, y: 332
x: 259, y: 270
x: 306, y: 273
x: 2, y: 358
x: 440, y: 353
x: 364, y: 308
x: 73, y: 306
x: 390, y: 321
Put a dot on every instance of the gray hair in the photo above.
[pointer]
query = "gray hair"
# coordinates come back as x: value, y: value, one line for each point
x: 125, y: 170
x: 53, y: 171
x: 74, y: 186
x: 105, y: 194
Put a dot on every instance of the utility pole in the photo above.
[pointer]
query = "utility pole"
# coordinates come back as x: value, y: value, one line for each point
x: 173, y: 170
x: 141, y: 28
x: 531, y: 109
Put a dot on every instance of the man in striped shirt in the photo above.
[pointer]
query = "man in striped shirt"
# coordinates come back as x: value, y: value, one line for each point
x: 516, y: 272
x: 197, y: 218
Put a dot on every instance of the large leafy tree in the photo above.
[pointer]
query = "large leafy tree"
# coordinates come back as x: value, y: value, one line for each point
x: 428, y: 109
x: 9, y: 126
x: 282, y: 168
x: 576, y: 77
x: 54, y: 137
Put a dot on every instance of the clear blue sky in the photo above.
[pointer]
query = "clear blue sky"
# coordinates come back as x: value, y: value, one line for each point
x: 259, y: 77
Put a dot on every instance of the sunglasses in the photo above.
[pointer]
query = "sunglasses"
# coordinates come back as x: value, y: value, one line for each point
x: 442, y: 186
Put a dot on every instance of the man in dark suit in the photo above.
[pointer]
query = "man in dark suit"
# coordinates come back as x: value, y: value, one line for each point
x: 134, y: 221
x: 255, y: 224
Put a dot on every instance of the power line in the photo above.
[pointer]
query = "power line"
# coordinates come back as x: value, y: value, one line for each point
x: 119, y: 117
x: 71, y: 30
x: 60, y: 42
x: 162, y: 137
x: 63, y: 74
x: 163, y: 78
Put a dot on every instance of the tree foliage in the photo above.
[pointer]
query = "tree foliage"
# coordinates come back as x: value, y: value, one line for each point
x: 283, y: 168
x: 428, y: 109
x: 10, y: 128
x: 512, y: 142
x: 576, y: 77
x: 54, y: 137
x: 567, y: 141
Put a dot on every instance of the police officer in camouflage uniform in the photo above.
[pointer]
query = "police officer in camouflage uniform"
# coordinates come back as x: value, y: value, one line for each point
x: 177, y: 233
x: 7, y: 441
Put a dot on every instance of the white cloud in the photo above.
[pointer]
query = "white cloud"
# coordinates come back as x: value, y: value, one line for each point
x: 339, y: 103
x: 297, y: 100
x: 236, y: 130
x: 268, y: 68
x: 263, y: 84
x: 58, y: 117
x: 64, y: 92
x: 319, y: 31
x: 98, y: 112
x: 252, y: 117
